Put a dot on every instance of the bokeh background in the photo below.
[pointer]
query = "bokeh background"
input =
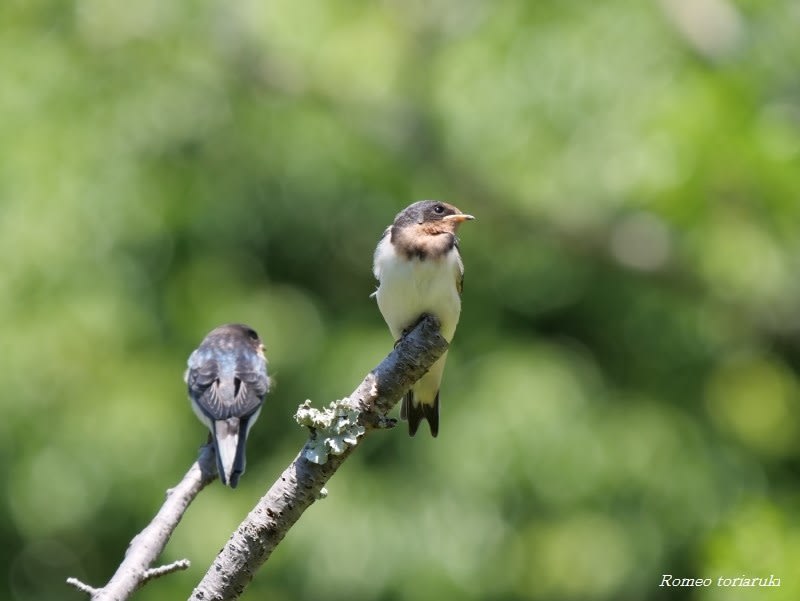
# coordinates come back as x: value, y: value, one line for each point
x: 622, y: 396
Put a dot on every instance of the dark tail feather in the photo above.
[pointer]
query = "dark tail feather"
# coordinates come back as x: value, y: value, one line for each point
x: 220, y: 468
x: 415, y: 413
x: 241, y: 460
x: 432, y: 415
x: 229, y: 428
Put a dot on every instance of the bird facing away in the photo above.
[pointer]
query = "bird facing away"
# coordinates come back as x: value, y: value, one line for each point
x: 419, y: 270
x: 227, y: 381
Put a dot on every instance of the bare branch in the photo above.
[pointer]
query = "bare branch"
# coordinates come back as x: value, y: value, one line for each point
x: 175, y: 566
x: 84, y: 588
x: 303, y: 481
x: 134, y: 571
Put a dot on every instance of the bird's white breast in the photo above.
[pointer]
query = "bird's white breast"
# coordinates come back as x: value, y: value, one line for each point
x: 410, y: 287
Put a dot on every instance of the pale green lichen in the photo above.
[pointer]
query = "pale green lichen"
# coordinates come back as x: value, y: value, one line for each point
x: 333, y: 430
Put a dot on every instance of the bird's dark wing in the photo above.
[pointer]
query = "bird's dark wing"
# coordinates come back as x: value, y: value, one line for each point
x: 202, y: 380
x: 237, y: 398
x: 385, y: 236
x: 251, y: 371
x: 203, y: 371
x: 460, y: 274
x: 221, y: 396
x: 386, y: 232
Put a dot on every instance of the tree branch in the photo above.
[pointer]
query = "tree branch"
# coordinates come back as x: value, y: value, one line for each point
x: 135, y: 570
x: 334, y: 434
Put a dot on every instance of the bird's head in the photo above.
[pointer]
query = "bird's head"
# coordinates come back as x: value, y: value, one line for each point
x: 234, y: 335
x: 431, y: 217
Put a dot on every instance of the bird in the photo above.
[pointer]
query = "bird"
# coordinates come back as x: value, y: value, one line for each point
x: 227, y: 382
x: 419, y: 270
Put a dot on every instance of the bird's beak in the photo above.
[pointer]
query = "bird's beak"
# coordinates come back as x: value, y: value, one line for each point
x: 458, y: 217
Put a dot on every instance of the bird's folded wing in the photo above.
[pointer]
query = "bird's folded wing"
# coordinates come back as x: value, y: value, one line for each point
x: 241, y: 398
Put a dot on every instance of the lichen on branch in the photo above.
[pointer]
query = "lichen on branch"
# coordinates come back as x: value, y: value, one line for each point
x: 333, y: 430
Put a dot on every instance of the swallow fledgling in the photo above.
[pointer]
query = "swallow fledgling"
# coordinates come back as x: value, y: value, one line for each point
x: 419, y: 269
x: 227, y: 381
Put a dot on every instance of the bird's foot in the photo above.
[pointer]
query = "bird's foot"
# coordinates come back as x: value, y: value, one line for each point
x: 409, y: 329
x: 386, y: 423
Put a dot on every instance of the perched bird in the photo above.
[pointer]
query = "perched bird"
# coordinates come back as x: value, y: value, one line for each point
x: 419, y: 269
x: 227, y: 381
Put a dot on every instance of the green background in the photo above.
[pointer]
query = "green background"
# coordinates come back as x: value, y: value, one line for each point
x: 621, y: 399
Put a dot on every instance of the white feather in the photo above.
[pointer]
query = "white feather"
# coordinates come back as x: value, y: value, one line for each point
x: 227, y: 443
x: 209, y: 423
x: 410, y: 287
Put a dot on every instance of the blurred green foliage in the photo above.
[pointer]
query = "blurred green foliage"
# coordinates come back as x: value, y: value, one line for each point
x: 622, y: 397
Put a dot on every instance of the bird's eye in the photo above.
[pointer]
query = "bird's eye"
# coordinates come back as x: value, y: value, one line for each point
x: 252, y: 334
x: 438, y: 209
